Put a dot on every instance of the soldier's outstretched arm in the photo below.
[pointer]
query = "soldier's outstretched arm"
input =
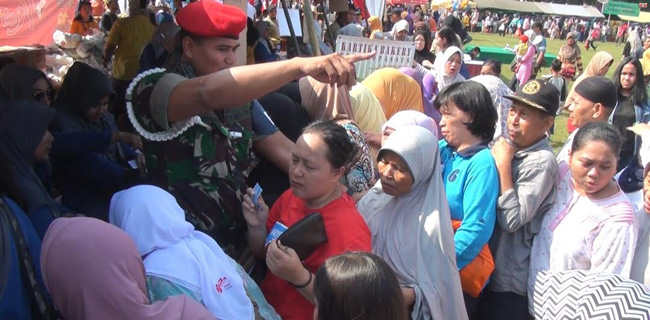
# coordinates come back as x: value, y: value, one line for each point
x: 239, y: 85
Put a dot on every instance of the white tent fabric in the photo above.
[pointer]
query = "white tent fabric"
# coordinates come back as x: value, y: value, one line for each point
x: 376, y: 7
x: 539, y: 7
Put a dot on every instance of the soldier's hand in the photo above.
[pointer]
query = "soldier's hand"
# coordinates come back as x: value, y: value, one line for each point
x: 334, y: 68
x: 255, y: 215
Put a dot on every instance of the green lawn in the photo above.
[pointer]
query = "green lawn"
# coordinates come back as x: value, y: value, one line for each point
x: 553, y: 46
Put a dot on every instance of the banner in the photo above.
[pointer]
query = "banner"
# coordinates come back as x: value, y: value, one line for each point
x: 390, y: 54
x: 27, y: 22
x: 624, y: 8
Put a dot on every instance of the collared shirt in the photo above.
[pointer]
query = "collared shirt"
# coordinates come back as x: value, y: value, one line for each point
x: 520, y: 211
x: 471, y: 184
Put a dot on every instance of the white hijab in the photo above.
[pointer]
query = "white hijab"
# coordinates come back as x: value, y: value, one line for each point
x: 176, y: 252
x: 442, y: 78
x: 413, y: 232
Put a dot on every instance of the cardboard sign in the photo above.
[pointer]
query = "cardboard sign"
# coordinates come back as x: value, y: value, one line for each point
x: 294, y: 15
x: 27, y: 22
x: 390, y: 54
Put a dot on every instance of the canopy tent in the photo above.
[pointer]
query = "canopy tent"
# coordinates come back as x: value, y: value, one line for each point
x: 644, y: 17
x: 408, y: 2
x: 539, y: 7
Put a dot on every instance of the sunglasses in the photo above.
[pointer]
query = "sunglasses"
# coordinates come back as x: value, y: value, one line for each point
x: 40, y: 95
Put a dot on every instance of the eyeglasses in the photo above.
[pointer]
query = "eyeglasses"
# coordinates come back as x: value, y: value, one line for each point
x: 40, y: 95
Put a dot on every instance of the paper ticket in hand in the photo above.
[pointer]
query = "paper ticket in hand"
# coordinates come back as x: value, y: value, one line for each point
x: 256, y: 196
x: 276, y: 231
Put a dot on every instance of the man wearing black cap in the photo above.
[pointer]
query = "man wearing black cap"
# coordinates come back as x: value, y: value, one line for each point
x: 200, y: 127
x: 528, y: 175
x: 594, y: 101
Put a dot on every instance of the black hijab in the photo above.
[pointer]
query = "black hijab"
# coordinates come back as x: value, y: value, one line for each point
x: 17, y: 81
x: 455, y: 24
x: 424, y: 54
x: 82, y: 89
x: 23, y: 124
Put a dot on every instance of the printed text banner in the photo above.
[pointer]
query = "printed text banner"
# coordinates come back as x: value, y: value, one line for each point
x: 390, y: 54
x: 27, y: 22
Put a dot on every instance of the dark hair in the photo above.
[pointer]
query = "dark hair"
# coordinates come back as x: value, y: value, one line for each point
x: 471, y: 97
x: 358, y: 286
x: 537, y: 24
x: 597, y: 131
x: 477, y: 49
x: 81, y: 4
x: 341, y: 150
x: 449, y: 34
x: 639, y: 94
x: 494, y: 64
x: 556, y: 65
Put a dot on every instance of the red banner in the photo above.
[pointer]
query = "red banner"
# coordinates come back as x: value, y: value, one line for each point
x: 27, y: 22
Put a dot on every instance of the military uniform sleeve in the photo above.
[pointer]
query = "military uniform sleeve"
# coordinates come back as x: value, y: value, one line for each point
x: 149, y: 98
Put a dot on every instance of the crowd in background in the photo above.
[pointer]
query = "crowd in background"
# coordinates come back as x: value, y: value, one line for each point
x: 158, y: 193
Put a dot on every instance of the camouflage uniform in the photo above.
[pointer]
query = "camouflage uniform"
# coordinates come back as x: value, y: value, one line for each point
x: 206, y: 167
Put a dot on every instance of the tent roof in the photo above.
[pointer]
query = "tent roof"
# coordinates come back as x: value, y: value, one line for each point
x: 539, y: 7
x: 644, y: 17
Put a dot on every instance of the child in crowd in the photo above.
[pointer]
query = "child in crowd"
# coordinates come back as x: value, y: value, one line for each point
x: 557, y: 80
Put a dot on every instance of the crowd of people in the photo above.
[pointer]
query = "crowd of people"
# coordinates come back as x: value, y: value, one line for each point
x: 165, y: 191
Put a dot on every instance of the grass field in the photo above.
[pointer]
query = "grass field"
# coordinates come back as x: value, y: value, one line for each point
x: 553, y: 46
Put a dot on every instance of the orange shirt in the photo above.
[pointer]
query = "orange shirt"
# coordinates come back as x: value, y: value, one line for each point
x: 346, y: 231
x: 79, y: 27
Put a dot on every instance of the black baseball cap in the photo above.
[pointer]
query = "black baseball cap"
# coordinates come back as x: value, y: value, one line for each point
x: 538, y: 94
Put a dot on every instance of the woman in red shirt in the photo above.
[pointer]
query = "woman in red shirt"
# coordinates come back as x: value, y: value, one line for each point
x: 320, y: 158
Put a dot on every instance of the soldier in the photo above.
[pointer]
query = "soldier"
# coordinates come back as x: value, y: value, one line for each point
x: 200, y: 126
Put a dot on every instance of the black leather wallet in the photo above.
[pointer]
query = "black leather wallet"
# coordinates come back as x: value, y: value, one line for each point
x: 305, y: 235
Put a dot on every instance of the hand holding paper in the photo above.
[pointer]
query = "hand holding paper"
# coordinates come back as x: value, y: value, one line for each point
x: 255, y: 215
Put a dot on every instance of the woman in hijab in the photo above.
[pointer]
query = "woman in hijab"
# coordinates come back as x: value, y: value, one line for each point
x: 395, y: 91
x: 155, y: 53
x: 24, y: 142
x: 456, y: 25
x: 88, y: 181
x: 423, y: 55
x: 22, y: 291
x: 170, y: 239
x: 571, y: 58
x: 427, y: 100
x: 25, y: 82
x: 444, y: 39
x: 409, y: 219
x: 367, y: 109
x: 598, y: 66
x: 93, y: 271
x: 264, y: 51
x: 408, y: 118
x: 452, y: 61
x: 375, y: 27
x: 497, y: 90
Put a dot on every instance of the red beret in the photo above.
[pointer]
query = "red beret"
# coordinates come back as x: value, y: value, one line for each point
x: 209, y: 18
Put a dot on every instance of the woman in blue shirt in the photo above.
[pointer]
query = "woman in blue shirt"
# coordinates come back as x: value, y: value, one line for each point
x: 469, y: 171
